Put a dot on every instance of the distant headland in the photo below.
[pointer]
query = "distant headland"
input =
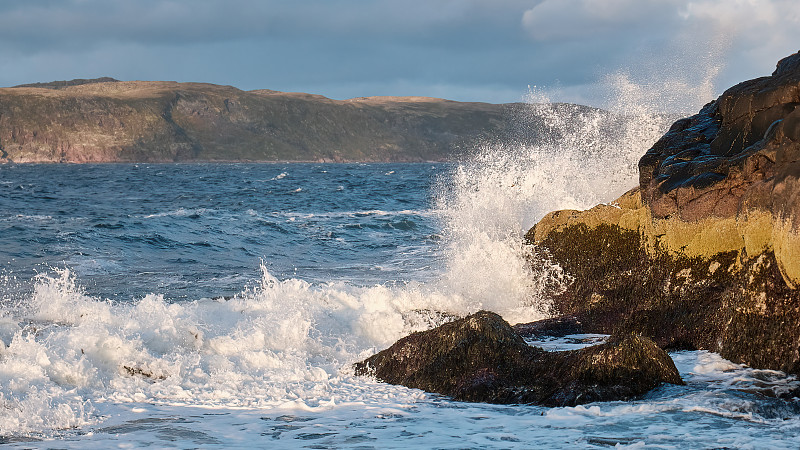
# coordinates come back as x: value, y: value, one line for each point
x: 106, y: 120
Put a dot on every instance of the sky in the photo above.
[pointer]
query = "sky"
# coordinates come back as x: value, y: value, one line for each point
x: 496, y: 51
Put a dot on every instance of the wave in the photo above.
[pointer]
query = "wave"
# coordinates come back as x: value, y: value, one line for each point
x: 286, y: 345
x: 342, y: 214
x: 279, y: 342
x: 290, y: 343
x: 181, y: 212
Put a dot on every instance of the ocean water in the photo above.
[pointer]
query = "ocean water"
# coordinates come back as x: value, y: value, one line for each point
x: 222, y: 305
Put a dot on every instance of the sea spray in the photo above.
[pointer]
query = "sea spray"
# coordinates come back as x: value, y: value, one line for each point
x: 569, y: 157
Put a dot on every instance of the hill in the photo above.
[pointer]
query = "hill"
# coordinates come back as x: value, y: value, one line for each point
x: 105, y: 120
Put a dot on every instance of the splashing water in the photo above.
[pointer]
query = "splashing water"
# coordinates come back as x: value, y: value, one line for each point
x: 572, y: 157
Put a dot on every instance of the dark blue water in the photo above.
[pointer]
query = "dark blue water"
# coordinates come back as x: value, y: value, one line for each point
x: 191, y: 231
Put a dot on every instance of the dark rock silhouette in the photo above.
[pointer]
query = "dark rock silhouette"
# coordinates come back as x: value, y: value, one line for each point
x: 481, y: 358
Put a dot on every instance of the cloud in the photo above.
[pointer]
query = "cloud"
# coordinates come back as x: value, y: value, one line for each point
x: 669, y: 42
x: 757, y: 27
x: 483, y: 50
x: 558, y: 20
x: 202, y: 21
x: 419, y: 46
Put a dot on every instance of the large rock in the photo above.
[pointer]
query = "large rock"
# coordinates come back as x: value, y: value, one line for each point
x: 735, y: 165
x: 705, y: 252
x: 481, y: 358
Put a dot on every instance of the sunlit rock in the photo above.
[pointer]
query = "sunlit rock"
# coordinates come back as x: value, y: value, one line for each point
x: 705, y: 253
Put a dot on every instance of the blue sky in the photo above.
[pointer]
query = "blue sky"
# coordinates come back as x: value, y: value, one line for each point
x: 469, y: 50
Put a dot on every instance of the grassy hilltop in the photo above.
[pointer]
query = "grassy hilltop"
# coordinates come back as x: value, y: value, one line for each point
x: 105, y: 120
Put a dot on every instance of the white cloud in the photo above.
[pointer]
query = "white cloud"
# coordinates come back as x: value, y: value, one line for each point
x: 580, y: 19
x: 671, y: 42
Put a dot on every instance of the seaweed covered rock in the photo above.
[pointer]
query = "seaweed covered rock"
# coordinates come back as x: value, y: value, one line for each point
x: 481, y: 358
x: 741, y: 309
x: 705, y: 253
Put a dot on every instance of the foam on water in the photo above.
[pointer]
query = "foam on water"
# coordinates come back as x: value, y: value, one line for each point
x: 282, y: 342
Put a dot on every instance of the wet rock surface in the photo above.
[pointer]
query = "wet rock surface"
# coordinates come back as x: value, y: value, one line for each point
x: 744, y: 311
x: 481, y: 358
x: 707, y: 163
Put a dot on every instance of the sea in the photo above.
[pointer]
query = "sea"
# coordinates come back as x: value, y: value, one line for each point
x: 222, y: 305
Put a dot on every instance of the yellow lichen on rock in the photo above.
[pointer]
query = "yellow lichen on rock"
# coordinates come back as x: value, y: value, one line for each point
x: 704, y: 238
x: 750, y: 234
x: 786, y: 243
x: 756, y: 228
x: 626, y: 212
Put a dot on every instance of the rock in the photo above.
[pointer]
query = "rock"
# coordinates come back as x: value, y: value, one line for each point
x: 705, y: 253
x: 735, y: 165
x: 552, y: 327
x: 481, y: 358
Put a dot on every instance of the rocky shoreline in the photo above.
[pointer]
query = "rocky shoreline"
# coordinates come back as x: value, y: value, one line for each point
x: 703, y: 254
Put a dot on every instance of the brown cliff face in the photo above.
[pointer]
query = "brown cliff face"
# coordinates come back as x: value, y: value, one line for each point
x: 705, y: 253
x: 106, y: 120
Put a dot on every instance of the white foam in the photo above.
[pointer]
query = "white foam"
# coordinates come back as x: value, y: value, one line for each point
x: 280, y: 345
x: 180, y: 212
x: 279, y: 342
x: 568, y: 342
x: 345, y: 214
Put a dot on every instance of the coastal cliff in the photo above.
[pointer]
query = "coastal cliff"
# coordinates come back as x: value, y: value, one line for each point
x: 705, y: 252
x: 105, y: 120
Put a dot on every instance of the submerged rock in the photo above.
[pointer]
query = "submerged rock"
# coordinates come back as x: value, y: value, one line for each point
x: 705, y: 253
x: 481, y: 358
